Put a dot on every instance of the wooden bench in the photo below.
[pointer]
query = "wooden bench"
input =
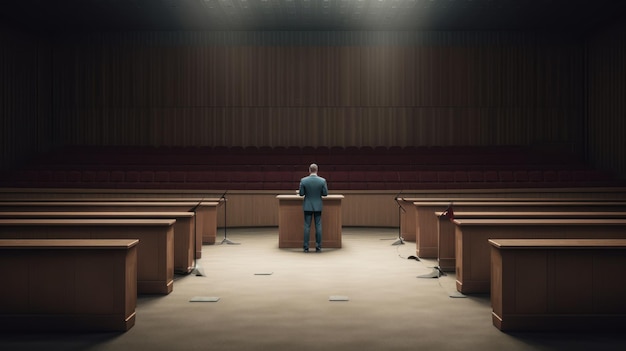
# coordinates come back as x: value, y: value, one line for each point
x: 426, y: 243
x: 472, y: 246
x: 206, y: 212
x: 446, y: 254
x: 206, y: 224
x: 68, y: 285
x: 54, y: 196
x: 558, y: 284
x: 155, y: 252
x: 184, y: 228
x: 137, y: 206
x: 408, y: 214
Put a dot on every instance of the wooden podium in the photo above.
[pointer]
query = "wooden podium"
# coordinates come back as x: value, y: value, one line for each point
x: 291, y: 222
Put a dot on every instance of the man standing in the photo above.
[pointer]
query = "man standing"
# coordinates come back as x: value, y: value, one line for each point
x: 313, y: 187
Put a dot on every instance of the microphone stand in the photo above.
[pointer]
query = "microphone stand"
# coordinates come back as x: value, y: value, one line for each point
x: 401, y: 209
x: 196, y: 269
x: 225, y: 240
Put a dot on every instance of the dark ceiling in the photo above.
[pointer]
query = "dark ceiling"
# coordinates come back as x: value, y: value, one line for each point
x: 174, y: 15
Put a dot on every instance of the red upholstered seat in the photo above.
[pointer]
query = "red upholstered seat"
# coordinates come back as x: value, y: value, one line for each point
x: 460, y: 176
x: 405, y: 176
x: 445, y: 177
x: 103, y: 176
x: 146, y: 176
x: 591, y: 175
x: 48, y: 176
x: 89, y: 176
x: 506, y: 176
x: 339, y: 176
x: 273, y: 185
x: 550, y: 176
x: 132, y: 176
x: 59, y: 176
x: 381, y: 150
x: 428, y: 177
x: 177, y: 177
x: 356, y: 176
x: 117, y: 176
x: 26, y: 176
x: 200, y: 176
x: 281, y: 167
x: 342, y: 185
x: 520, y: 176
x: 535, y: 176
x: 565, y: 176
x: 374, y: 176
x: 475, y: 176
x: 490, y: 176
x: 238, y: 176
x: 162, y: 176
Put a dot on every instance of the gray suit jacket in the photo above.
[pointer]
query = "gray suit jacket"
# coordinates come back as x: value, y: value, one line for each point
x: 313, y: 187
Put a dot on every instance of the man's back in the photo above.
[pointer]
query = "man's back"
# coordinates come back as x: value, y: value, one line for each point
x: 313, y: 187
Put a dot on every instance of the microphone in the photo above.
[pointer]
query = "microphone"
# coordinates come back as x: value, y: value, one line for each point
x: 396, y: 198
x: 193, y: 209
x: 401, y: 209
x: 398, y: 194
x: 448, y: 212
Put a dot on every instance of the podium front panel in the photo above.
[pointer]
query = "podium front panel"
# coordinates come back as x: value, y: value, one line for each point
x: 291, y: 222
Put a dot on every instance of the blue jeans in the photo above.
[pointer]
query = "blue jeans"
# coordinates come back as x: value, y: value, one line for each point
x: 318, y: 228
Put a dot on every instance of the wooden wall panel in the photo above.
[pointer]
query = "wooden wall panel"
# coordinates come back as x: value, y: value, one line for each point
x: 23, y: 98
x: 303, y: 88
x: 606, y: 122
x: 314, y: 88
x: 312, y: 126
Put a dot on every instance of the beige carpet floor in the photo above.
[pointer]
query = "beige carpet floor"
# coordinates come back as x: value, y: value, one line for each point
x: 279, y: 299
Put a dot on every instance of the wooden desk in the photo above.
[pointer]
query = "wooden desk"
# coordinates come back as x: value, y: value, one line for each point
x: 68, y: 285
x: 560, y: 284
x: 473, y: 259
x: 137, y: 206
x: 155, y: 252
x: 426, y: 243
x: 184, y: 228
x: 291, y: 222
x: 207, y: 224
x: 446, y: 249
x: 408, y: 214
x: 206, y: 215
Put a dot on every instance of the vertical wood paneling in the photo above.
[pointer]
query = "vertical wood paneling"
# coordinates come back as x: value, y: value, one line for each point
x: 309, y: 88
x: 21, y: 97
x: 606, y: 120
